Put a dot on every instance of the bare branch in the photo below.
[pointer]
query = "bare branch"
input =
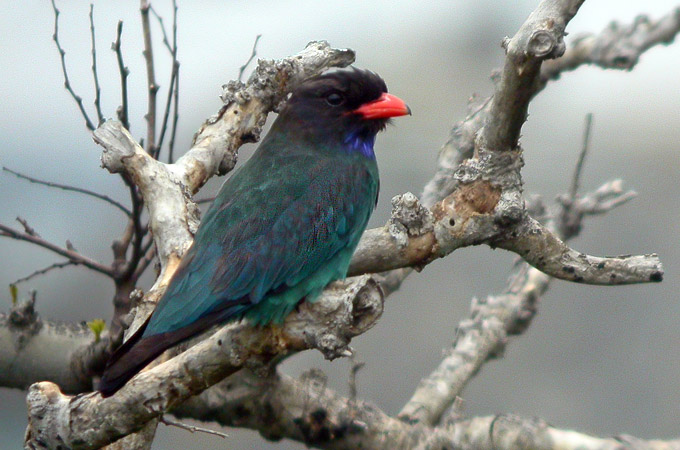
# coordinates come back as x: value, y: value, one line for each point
x: 173, y: 94
x: 168, y: 203
x: 74, y: 257
x: 507, y: 431
x: 150, y: 80
x: 306, y: 411
x: 122, y: 112
x: 600, y: 50
x: 203, y: 201
x: 27, y: 228
x: 344, y: 311
x: 417, y: 236
x: 545, y: 251
x: 97, y: 89
x: 175, y: 118
x: 44, y: 271
x: 66, y: 187
x: 581, y: 157
x: 303, y: 409
x: 539, y: 38
x: 67, y: 84
x: 253, y: 54
x: 492, y: 319
x: 25, y: 338
x: 191, y: 428
x: 617, y: 46
x: 166, y: 42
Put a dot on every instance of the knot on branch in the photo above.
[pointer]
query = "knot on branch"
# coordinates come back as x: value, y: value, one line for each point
x: 233, y: 91
x: 409, y: 219
x: 510, y: 431
x: 347, y: 309
x: 542, y: 43
x: 23, y: 315
x: 118, y: 145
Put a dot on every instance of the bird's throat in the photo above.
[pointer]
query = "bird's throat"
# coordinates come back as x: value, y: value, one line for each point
x: 360, y: 142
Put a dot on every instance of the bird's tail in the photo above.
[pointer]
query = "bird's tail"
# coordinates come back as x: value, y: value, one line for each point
x: 129, y: 359
x: 139, y: 350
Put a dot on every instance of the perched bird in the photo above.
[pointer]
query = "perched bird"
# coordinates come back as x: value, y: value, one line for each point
x: 283, y: 226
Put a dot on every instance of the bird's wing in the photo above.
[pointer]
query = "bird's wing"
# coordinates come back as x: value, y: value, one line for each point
x: 264, y: 238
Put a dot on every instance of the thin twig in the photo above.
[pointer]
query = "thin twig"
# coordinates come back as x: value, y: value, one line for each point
x: 73, y: 256
x: 175, y: 108
x: 158, y: 17
x: 581, y: 157
x: 252, y: 56
x: 356, y: 367
x: 67, y: 84
x: 175, y: 118
x: 97, y: 89
x: 150, y: 79
x: 205, y: 200
x: 570, y: 218
x: 72, y: 189
x: 191, y: 428
x: 124, y: 72
x: 173, y: 86
x: 45, y: 270
x: 27, y: 228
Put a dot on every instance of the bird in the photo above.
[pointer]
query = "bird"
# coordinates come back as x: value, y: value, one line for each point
x: 283, y: 225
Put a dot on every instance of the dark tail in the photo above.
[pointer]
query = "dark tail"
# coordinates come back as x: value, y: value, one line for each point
x: 138, y: 351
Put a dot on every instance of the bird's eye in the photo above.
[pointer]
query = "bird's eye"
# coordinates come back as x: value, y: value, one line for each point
x: 335, y: 99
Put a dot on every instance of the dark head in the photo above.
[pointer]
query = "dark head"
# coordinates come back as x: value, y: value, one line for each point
x: 347, y: 106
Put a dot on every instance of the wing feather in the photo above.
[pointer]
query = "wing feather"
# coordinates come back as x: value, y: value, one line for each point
x: 272, y: 236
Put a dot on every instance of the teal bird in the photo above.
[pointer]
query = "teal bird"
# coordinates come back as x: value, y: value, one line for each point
x: 283, y: 226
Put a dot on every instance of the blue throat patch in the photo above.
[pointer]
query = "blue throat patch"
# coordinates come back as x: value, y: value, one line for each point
x: 356, y: 141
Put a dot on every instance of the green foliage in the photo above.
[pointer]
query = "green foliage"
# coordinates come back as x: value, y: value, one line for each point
x: 14, y: 293
x: 97, y: 326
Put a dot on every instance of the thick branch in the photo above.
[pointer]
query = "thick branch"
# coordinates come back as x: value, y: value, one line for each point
x: 602, y: 49
x: 34, y: 350
x: 484, y: 334
x: 416, y: 236
x: 173, y: 218
x: 90, y: 421
x: 306, y: 411
x: 539, y: 38
x: 616, y: 47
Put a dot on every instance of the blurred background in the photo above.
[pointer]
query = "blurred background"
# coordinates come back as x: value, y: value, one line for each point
x: 601, y: 360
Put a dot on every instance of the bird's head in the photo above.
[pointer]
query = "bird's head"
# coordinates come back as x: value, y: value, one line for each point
x: 347, y: 106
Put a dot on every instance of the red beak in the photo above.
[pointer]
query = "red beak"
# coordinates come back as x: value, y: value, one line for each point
x: 386, y: 106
